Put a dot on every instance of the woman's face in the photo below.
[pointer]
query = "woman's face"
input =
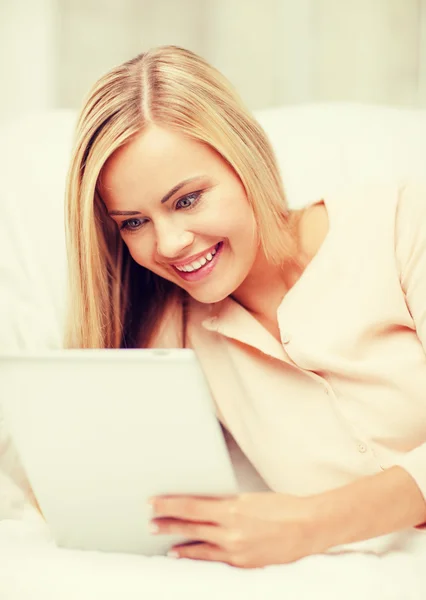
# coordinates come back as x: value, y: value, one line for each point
x: 182, y: 212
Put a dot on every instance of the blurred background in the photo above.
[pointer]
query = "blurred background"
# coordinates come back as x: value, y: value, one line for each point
x: 274, y: 51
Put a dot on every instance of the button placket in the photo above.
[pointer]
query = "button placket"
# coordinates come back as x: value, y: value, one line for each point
x: 285, y: 337
x: 361, y: 446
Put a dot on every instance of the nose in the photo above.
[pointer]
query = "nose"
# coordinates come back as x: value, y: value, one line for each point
x: 172, y: 241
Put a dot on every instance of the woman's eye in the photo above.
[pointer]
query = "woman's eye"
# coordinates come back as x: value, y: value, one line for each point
x: 188, y: 200
x: 130, y: 224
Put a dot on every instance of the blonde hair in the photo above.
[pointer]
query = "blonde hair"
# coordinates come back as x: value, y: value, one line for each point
x: 113, y: 302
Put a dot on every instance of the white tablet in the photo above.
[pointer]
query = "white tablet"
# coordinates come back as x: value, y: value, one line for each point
x: 100, y: 431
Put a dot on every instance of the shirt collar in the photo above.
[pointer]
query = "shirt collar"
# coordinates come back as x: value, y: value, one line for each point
x: 231, y: 319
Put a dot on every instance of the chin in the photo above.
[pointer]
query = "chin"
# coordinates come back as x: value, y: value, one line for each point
x: 210, y: 294
x: 207, y: 297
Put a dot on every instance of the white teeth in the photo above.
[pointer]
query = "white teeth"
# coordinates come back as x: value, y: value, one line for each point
x: 198, y: 263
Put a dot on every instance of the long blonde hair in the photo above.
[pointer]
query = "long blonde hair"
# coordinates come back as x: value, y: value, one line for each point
x: 113, y: 302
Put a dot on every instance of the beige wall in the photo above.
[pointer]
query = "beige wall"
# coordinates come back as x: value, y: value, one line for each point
x: 321, y: 50
x: 368, y: 53
x: 93, y: 40
x: 274, y: 51
x: 26, y: 57
x: 421, y: 93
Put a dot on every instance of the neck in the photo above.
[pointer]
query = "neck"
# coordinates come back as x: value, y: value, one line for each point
x: 265, y: 287
x: 262, y: 291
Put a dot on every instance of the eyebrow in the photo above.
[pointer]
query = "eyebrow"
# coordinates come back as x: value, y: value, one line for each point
x: 169, y: 194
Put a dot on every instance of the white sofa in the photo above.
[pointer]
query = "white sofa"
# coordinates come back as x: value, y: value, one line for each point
x: 318, y: 147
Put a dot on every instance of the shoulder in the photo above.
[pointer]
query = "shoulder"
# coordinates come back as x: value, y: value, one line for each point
x: 411, y: 205
x: 346, y: 201
x: 379, y: 207
x: 410, y: 222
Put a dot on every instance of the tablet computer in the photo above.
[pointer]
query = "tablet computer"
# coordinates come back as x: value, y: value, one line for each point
x: 100, y: 431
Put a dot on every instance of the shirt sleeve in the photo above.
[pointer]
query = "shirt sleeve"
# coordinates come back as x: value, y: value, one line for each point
x: 410, y: 251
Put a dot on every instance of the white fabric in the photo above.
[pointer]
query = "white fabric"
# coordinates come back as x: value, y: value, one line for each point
x: 318, y: 147
x: 32, y: 568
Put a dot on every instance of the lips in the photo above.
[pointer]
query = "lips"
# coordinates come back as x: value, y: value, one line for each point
x: 194, y: 258
x: 205, y: 270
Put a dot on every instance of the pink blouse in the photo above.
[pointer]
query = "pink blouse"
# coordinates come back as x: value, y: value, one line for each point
x: 344, y: 393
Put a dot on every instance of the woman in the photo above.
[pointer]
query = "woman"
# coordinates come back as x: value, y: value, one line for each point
x: 310, y: 325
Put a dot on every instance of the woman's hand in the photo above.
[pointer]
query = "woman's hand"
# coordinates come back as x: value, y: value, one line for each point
x: 247, y: 531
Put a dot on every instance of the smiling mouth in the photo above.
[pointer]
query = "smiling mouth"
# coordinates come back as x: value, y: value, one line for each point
x: 201, y: 267
x: 199, y: 263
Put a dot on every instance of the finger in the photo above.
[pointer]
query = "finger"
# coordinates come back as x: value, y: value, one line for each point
x: 202, y: 551
x: 191, y: 508
x: 194, y: 531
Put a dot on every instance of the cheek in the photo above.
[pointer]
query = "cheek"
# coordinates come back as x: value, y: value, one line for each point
x: 140, y: 251
x: 243, y: 224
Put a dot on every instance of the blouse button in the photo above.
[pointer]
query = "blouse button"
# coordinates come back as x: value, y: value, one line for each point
x: 362, y: 448
x: 285, y: 337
